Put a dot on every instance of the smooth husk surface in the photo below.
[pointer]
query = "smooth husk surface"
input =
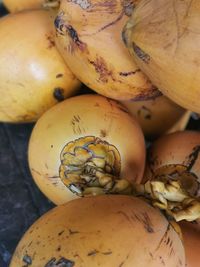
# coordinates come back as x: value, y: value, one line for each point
x: 101, y: 231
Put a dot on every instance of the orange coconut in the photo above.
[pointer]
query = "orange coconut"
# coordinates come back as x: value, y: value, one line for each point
x: 33, y: 74
x: 89, y: 38
x: 79, y: 137
x: 15, y: 6
x: 101, y: 231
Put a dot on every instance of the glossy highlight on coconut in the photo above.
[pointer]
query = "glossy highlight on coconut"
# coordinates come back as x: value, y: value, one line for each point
x: 101, y: 231
x: 33, y: 75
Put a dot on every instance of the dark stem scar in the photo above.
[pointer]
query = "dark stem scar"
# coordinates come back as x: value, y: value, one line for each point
x: 140, y: 53
x: 58, y: 94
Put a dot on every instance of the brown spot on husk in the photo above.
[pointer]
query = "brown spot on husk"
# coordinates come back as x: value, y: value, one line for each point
x: 62, y: 262
x: 58, y: 94
x: 103, y: 133
x: 93, y: 253
x: 147, y: 94
x: 125, y: 74
x: 102, y: 69
x: 60, y: 233
x: 59, y: 75
x: 51, y: 42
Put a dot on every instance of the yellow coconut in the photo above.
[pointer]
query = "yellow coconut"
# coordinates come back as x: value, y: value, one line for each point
x: 33, y: 75
x: 158, y: 116
x: 15, y: 6
x: 163, y: 37
x: 78, y: 145
x: 89, y: 38
x: 18, y: 5
x: 101, y: 231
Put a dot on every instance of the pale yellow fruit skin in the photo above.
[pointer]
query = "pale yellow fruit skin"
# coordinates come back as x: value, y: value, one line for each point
x: 96, y: 54
x: 105, y: 231
x: 158, y: 116
x: 80, y: 116
x: 31, y: 67
x: 167, y: 37
x: 175, y: 148
x: 18, y: 5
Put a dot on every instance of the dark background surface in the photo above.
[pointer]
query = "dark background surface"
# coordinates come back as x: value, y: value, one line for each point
x: 21, y: 202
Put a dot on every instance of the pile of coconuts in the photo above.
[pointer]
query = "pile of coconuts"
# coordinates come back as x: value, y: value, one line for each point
x: 99, y: 78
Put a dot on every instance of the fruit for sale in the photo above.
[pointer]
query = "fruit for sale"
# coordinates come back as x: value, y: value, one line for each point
x: 33, y: 75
